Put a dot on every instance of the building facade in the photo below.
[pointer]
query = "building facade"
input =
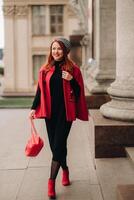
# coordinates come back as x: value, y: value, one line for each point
x: 30, y: 26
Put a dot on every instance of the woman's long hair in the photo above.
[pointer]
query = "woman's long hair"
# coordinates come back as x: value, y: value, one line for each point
x: 67, y: 63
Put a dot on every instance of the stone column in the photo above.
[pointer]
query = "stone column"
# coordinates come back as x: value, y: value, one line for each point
x: 85, y: 43
x: 9, y: 49
x: 22, y: 49
x: 121, y: 106
x: 17, y: 48
x: 104, y: 42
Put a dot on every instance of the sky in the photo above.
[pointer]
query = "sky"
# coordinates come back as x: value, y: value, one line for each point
x: 1, y: 26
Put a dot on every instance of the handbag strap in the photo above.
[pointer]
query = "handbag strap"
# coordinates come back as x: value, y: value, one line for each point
x: 33, y: 129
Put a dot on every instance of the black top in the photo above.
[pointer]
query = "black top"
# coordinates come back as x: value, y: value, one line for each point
x: 56, y: 90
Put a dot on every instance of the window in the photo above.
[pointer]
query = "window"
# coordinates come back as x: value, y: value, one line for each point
x: 47, y: 19
x: 38, y: 20
x: 56, y: 19
x: 38, y: 60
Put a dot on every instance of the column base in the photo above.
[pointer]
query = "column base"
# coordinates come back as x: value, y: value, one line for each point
x: 98, y: 83
x: 95, y: 87
x: 119, y: 109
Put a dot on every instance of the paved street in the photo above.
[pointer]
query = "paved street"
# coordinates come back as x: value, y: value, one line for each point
x: 22, y: 178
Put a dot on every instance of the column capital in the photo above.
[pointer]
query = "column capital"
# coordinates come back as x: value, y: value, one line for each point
x: 8, y: 10
x: 21, y: 11
x: 18, y: 11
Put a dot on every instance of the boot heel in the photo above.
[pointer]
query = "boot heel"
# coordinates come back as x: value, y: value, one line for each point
x: 65, y: 177
x: 51, y: 189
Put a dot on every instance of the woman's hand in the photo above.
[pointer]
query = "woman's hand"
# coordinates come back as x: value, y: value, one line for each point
x: 31, y: 114
x: 66, y: 75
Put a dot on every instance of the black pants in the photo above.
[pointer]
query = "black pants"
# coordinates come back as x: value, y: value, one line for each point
x: 58, y: 129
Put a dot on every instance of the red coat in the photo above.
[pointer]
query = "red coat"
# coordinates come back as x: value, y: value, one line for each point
x: 73, y: 109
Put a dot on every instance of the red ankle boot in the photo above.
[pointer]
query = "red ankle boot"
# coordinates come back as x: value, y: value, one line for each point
x: 65, y: 177
x: 51, y: 189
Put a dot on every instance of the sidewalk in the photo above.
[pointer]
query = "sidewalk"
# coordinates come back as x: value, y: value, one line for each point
x: 22, y: 178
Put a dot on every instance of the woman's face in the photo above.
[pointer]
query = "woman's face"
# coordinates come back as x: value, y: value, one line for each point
x: 57, y: 51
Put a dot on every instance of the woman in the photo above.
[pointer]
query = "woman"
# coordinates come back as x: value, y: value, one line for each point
x: 60, y: 100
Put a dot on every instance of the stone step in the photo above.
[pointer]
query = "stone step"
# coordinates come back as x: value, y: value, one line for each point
x: 130, y: 153
x: 125, y: 192
x: 113, y: 172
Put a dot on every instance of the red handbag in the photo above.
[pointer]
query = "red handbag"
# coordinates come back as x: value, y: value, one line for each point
x: 35, y: 143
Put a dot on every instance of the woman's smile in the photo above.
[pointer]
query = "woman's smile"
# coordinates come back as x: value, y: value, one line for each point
x: 57, y: 51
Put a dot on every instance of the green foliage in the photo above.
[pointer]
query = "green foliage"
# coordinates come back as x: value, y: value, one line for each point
x: 16, y: 102
x: 1, y: 70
